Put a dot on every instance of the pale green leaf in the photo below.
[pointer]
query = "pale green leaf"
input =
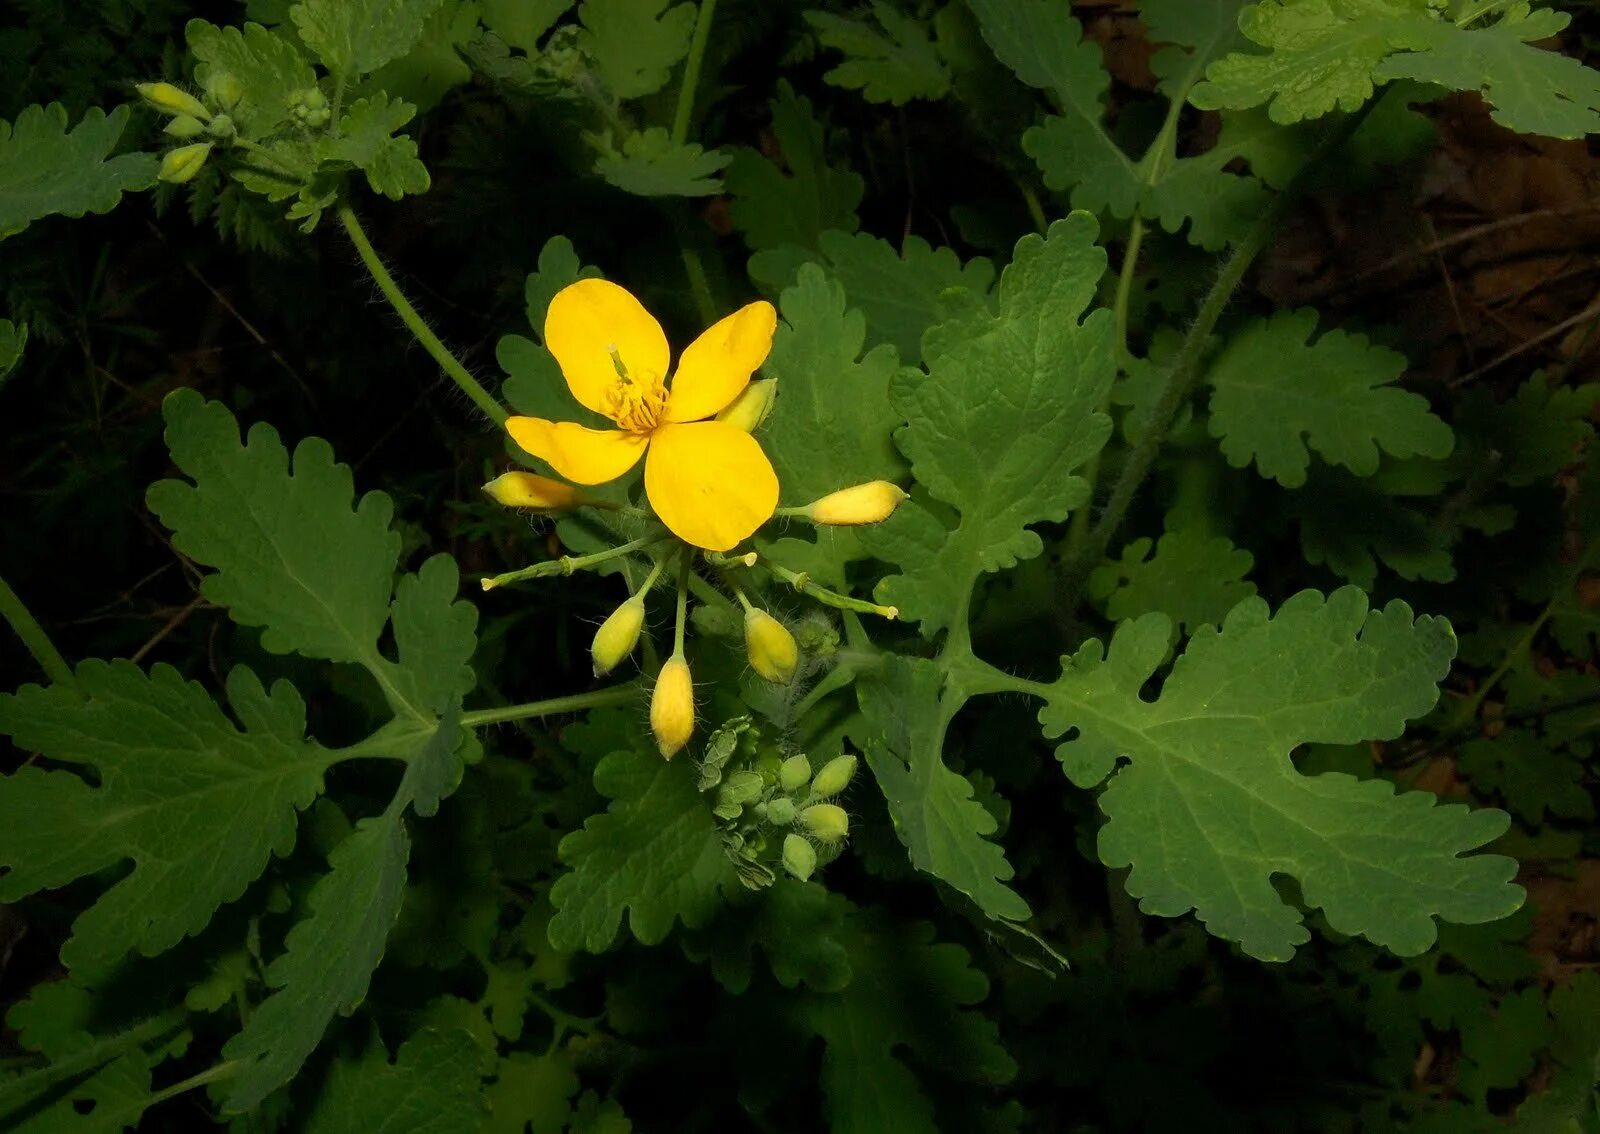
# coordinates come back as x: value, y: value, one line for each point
x: 434, y: 66
x: 796, y: 195
x: 654, y: 856
x: 353, y: 37
x: 268, y: 64
x: 1192, y: 577
x: 935, y: 813
x: 1275, y: 391
x: 635, y: 43
x: 430, y: 1088
x: 367, y: 140
x: 13, y: 340
x: 197, y: 804
x: 1328, y: 54
x: 651, y: 164
x: 895, y: 64
x: 1009, y: 409
x: 1209, y: 808
x: 46, y: 169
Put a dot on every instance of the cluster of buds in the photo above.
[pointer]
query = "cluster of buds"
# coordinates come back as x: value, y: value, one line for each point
x: 773, y: 810
x: 770, y: 646
x: 309, y: 107
x: 190, y: 119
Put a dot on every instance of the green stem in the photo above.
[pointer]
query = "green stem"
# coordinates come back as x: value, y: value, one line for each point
x: 38, y: 643
x: 801, y: 582
x: 562, y: 1017
x: 1185, y: 370
x: 554, y: 706
x: 691, y: 72
x: 21, y: 1091
x: 1130, y: 262
x: 570, y: 564
x: 209, y: 1075
x: 682, y: 617
x: 1035, y: 209
x: 408, y: 315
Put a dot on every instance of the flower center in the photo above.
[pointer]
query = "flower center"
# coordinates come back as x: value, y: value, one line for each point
x: 636, y: 400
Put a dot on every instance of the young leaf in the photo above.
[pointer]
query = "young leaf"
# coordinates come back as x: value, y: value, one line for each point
x: 650, y: 164
x: 796, y: 201
x: 1324, y: 54
x: 655, y: 856
x: 197, y: 804
x: 268, y: 64
x: 1210, y: 808
x: 1194, y: 578
x: 366, y: 140
x: 944, y: 828
x: 353, y: 37
x: 1008, y: 410
x: 1274, y: 391
x: 635, y: 43
x: 896, y: 65
x: 430, y: 1088
x: 46, y: 169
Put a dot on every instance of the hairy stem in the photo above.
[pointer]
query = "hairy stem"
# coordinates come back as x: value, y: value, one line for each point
x: 571, y: 564
x: 408, y: 315
x: 554, y: 706
x: 38, y: 643
x: 691, y: 72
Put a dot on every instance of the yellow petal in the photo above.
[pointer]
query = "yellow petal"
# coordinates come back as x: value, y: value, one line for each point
x: 710, y: 483
x: 719, y: 363
x: 583, y: 455
x: 586, y: 322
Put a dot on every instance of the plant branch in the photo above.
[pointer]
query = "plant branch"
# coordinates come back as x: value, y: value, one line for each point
x: 554, y: 706
x: 38, y: 643
x: 691, y: 72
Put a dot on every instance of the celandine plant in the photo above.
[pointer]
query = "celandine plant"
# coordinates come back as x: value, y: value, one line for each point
x: 1041, y: 744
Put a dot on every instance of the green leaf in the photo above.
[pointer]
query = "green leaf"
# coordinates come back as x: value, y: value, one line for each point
x: 797, y: 925
x: 366, y: 140
x: 1008, y: 410
x: 1526, y: 438
x: 13, y: 339
x: 1195, y: 578
x: 533, y: 1093
x: 900, y: 293
x: 909, y: 998
x: 936, y: 815
x: 291, y: 555
x: 1351, y: 524
x: 1570, y: 1102
x: 894, y: 65
x: 196, y: 804
x: 1274, y: 391
x: 435, y: 637
x: 268, y: 64
x: 1327, y: 54
x: 650, y: 164
x: 434, y: 66
x: 430, y: 1088
x: 353, y: 37
x: 655, y: 856
x: 799, y: 196
x: 523, y: 23
x: 1532, y: 778
x: 635, y: 43
x: 1210, y: 809
x: 46, y: 170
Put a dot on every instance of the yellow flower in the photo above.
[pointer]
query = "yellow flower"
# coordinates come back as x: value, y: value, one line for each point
x: 708, y: 481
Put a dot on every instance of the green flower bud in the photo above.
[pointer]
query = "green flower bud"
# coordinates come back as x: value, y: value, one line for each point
x: 769, y: 646
x: 768, y: 766
x: 827, y: 821
x: 221, y: 126
x: 617, y: 636
x: 740, y: 789
x: 781, y: 811
x: 799, y: 857
x: 169, y: 99
x: 750, y: 408
x: 185, y: 126
x: 835, y: 776
x: 184, y: 163
x: 795, y: 772
x: 225, y: 88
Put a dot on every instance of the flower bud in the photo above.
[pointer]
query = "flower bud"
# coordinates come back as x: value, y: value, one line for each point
x: 835, y: 776
x: 868, y: 503
x: 672, y: 707
x: 221, y: 126
x: 225, y: 88
x: 184, y: 163
x: 617, y: 636
x: 169, y: 99
x: 796, y: 770
x: 799, y: 857
x: 827, y: 821
x: 781, y: 811
x: 769, y: 646
x: 751, y: 407
x: 184, y: 126
x: 530, y: 490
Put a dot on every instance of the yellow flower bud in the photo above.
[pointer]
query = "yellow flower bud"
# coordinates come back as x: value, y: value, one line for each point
x: 796, y: 770
x: 751, y: 407
x: 169, y: 99
x: 868, y: 503
x: 835, y: 776
x: 672, y: 707
x: 184, y: 163
x: 617, y: 636
x: 184, y: 126
x: 827, y: 821
x: 770, y: 647
x: 799, y: 857
x: 530, y: 490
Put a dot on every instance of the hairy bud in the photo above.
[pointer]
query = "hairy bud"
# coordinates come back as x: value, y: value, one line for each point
x: 799, y: 857
x: 769, y: 646
x: 751, y: 407
x: 868, y: 503
x: 169, y: 99
x: 827, y: 821
x: 184, y: 163
x: 796, y: 770
x: 672, y: 707
x: 530, y: 490
x: 835, y: 776
x: 617, y: 636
